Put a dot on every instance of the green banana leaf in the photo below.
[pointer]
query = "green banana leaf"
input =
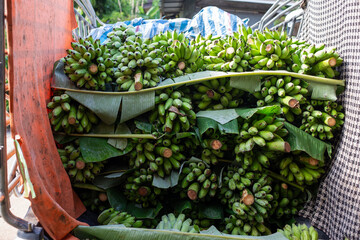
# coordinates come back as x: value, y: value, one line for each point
x: 103, y: 128
x: 182, y: 205
x: 136, y: 104
x: 97, y: 149
x: 119, y: 202
x: 320, y: 91
x: 106, y: 181
x: 59, y: 77
x: 120, y: 143
x: 204, y: 124
x: 87, y: 186
x: 143, y: 126
x: 247, y: 83
x: 115, y: 232
x: 63, y: 139
x: 227, y: 115
x: 300, y: 140
x: 166, y: 182
x: 106, y: 107
x: 211, y: 210
x: 231, y: 127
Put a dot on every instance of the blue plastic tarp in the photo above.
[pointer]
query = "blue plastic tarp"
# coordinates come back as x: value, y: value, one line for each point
x: 210, y: 20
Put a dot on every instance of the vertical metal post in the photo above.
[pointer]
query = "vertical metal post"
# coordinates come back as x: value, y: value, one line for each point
x: 4, y: 194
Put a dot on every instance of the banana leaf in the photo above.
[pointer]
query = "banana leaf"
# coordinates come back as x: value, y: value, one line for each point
x: 59, y: 77
x: 120, y: 143
x: 182, y: 205
x: 106, y: 181
x: 300, y: 140
x: 231, y: 127
x: 204, y: 124
x: 115, y: 232
x: 320, y: 91
x: 211, y: 210
x: 136, y: 104
x: 227, y: 115
x: 166, y: 182
x: 119, y: 202
x: 97, y: 149
x: 106, y: 107
x: 63, y: 139
x: 143, y: 126
x: 247, y: 83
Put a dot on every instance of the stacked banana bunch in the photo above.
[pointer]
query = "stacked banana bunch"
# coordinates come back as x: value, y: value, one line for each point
x: 112, y: 217
x: 89, y: 64
x: 286, y: 92
x: 170, y: 222
x: 287, y: 201
x: 216, y: 94
x: 316, y: 60
x: 69, y: 116
x: 181, y: 57
x: 263, y: 132
x: 300, y: 169
x: 77, y: 168
x: 159, y: 156
x: 295, y: 232
x: 214, y: 148
x: 173, y: 112
x: 138, y: 188
x: 139, y: 64
x: 236, y: 226
x: 322, y: 118
x: 198, y: 182
x: 117, y: 37
x: 225, y: 54
x: 93, y: 200
x: 270, y: 50
x: 247, y: 193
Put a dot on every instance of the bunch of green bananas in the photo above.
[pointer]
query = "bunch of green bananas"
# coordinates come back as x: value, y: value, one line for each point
x: 213, y: 149
x: 93, y: 200
x: 70, y: 116
x: 266, y: 132
x: 297, y: 232
x: 225, y: 54
x: 138, y: 188
x: 117, y: 37
x: 271, y: 50
x: 295, y: 169
x: 78, y: 169
x: 198, y: 181
x: 235, y: 225
x: 322, y: 118
x: 139, y: 64
x: 89, y: 64
x: 173, y: 111
x: 159, y: 156
x: 286, y: 92
x: 198, y: 218
x: 112, y: 217
x: 315, y: 60
x: 169, y: 222
x: 287, y: 201
x: 216, y: 94
x: 247, y: 193
x: 181, y: 57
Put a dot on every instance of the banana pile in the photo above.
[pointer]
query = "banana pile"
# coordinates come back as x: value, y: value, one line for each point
x: 170, y: 222
x: 198, y: 182
x: 89, y: 64
x: 264, y: 132
x: 225, y: 54
x: 78, y: 170
x: 300, y: 169
x: 286, y: 92
x: 271, y: 50
x: 287, y: 201
x: 173, y: 111
x: 216, y: 94
x: 93, y: 200
x: 234, y: 225
x: 69, y: 116
x: 159, y: 156
x: 181, y: 57
x: 138, y: 188
x: 322, y: 118
x: 112, y: 217
x: 295, y: 232
x: 316, y: 60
